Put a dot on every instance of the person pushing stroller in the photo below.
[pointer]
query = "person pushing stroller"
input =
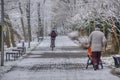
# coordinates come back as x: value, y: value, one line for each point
x: 96, y: 42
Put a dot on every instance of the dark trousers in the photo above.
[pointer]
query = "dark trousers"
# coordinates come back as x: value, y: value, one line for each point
x: 96, y: 57
x: 52, y: 42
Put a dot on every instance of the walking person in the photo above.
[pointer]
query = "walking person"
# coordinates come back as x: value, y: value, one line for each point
x: 97, y: 41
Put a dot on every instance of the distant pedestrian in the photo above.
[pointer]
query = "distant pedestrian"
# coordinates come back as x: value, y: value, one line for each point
x: 53, y: 36
x: 96, y: 40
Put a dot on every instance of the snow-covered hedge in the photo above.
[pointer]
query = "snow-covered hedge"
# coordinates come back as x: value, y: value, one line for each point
x: 73, y: 35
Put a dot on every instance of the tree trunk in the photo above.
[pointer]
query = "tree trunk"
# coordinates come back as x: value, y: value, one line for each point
x: 115, y: 41
x: 12, y: 36
x: 39, y: 22
x: 17, y: 35
x: 11, y: 31
x: 28, y: 19
x: 7, y: 38
x: 22, y: 22
x: 0, y: 37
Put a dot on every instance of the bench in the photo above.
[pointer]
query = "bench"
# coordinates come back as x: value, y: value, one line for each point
x: 12, y: 55
x: 23, y: 49
x: 19, y: 51
x: 116, y: 61
x: 40, y: 38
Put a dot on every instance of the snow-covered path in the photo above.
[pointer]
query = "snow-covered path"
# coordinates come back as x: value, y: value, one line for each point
x: 60, y: 42
x: 41, y: 64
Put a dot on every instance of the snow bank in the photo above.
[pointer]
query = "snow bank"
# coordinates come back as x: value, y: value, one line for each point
x: 73, y: 35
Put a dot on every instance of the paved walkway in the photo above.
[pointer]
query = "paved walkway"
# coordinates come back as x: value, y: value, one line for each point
x: 67, y: 62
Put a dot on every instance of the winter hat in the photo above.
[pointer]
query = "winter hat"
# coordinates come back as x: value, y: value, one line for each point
x: 98, y: 26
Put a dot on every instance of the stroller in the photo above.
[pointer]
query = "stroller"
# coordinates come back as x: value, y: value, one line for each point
x: 89, y: 61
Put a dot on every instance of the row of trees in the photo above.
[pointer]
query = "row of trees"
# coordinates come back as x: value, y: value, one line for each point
x: 83, y: 15
x: 20, y: 22
x: 13, y: 31
x: 66, y: 16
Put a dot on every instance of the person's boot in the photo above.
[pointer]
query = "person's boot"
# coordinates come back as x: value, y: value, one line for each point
x: 95, y: 67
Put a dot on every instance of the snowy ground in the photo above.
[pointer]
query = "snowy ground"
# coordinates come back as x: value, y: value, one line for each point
x: 35, y: 66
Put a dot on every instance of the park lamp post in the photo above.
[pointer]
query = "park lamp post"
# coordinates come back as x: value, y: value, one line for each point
x: 2, y: 33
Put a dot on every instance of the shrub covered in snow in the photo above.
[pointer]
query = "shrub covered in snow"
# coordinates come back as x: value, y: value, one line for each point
x: 73, y: 35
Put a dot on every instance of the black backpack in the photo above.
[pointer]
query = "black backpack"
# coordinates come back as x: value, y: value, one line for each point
x: 53, y: 34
